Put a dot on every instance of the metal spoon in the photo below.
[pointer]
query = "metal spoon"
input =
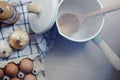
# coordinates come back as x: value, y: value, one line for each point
x: 70, y: 23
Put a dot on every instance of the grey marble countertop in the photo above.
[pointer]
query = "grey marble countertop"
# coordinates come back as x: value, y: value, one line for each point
x: 85, y: 61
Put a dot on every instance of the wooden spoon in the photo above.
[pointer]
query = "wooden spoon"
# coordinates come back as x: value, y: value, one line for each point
x: 70, y: 23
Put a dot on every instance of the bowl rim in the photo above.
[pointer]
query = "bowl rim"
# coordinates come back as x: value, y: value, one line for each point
x: 84, y: 40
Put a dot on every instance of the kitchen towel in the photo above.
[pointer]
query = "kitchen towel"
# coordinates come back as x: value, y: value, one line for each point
x: 39, y: 43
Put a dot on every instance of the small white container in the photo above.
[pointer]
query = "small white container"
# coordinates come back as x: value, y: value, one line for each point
x: 43, y: 21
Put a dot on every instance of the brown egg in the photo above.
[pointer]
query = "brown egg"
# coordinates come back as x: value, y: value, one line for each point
x: 15, y: 79
x: 11, y: 69
x: 1, y: 73
x: 30, y: 77
x: 26, y: 65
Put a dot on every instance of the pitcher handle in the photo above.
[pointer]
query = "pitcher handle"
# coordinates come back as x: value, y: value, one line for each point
x: 60, y: 2
x: 109, y: 53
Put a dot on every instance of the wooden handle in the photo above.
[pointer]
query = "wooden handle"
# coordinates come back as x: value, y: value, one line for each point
x: 33, y: 8
x: 110, y: 8
x: 109, y: 53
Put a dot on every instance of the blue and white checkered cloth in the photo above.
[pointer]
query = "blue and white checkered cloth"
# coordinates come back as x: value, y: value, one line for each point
x: 39, y: 43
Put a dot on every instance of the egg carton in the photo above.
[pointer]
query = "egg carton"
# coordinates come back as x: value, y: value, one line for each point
x: 38, y: 69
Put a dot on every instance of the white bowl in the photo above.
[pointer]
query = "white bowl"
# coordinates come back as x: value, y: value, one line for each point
x: 91, y: 27
x: 45, y: 20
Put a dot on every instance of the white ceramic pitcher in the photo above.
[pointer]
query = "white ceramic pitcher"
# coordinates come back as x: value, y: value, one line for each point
x: 90, y: 29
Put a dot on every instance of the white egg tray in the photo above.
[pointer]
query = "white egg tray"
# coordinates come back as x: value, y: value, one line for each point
x: 38, y: 65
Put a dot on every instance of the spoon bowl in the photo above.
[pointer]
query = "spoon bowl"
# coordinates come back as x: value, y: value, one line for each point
x: 66, y: 21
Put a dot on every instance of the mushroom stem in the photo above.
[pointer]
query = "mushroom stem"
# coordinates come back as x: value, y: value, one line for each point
x: 18, y: 41
x: 1, y: 10
x: 4, y: 52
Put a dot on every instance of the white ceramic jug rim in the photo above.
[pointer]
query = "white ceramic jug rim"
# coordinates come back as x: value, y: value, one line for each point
x: 71, y: 39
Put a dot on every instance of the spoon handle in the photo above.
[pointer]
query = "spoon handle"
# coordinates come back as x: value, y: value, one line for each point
x: 110, y: 8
